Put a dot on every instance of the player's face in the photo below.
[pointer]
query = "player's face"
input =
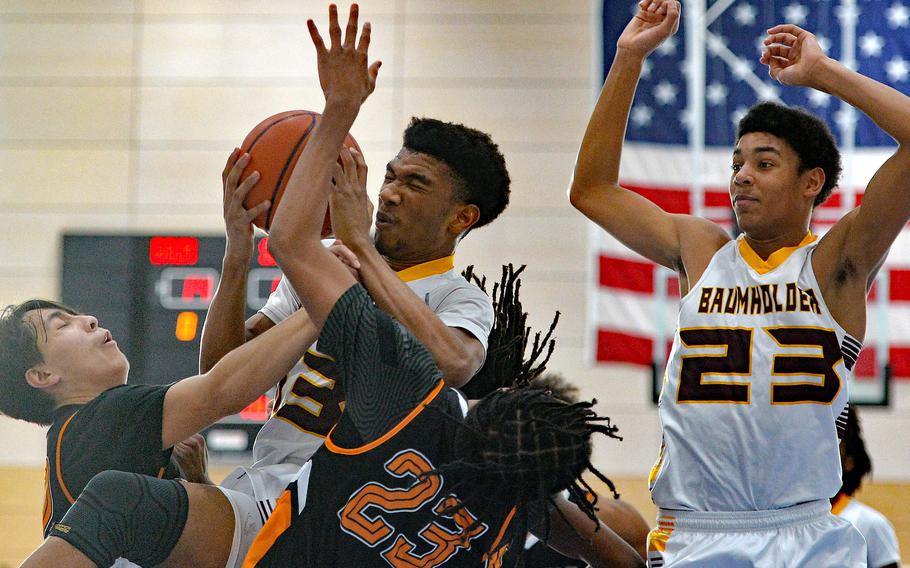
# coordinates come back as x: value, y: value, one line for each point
x: 76, y: 348
x: 765, y: 186
x: 416, y: 204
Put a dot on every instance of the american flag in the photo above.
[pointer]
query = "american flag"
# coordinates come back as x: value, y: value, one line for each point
x: 634, y: 303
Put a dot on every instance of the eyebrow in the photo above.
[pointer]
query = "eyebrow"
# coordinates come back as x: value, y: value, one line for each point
x: 758, y: 150
x: 408, y: 176
x: 55, y: 314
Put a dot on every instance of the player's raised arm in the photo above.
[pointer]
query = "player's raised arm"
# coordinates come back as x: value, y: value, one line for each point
x: 859, y: 242
x: 224, y: 327
x: 347, y: 79
x: 635, y: 221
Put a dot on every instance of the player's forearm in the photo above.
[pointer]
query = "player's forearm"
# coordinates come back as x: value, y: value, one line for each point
x: 579, y: 539
x: 250, y: 370
x: 887, y: 107
x: 601, y: 148
x: 223, y: 329
x: 395, y: 298
x: 300, y: 213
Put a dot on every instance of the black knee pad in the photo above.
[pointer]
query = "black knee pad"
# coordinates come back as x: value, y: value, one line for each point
x: 126, y: 515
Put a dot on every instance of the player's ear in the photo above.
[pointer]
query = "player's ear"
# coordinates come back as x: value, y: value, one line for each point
x: 41, y: 377
x: 465, y: 218
x: 815, y: 181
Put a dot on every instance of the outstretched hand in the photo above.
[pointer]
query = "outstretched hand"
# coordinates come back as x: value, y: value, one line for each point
x: 655, y: 21
x: 344, y: 72
x: 352, y: 210
x: 791, y: 54
x: 238, y: 221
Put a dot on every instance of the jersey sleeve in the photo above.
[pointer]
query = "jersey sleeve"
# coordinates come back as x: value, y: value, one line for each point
x: 385, y: 371
x: 282, y: 303
x: 134, y: 413
x: 881, y: 543
x: 469, y: 308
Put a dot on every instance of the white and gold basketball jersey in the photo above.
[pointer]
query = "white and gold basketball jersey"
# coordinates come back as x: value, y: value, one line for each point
x: 309, y: 401
x: 755, y: 390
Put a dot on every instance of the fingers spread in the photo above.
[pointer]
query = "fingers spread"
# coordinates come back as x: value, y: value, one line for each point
x: 236, y: 171
x: 314, y: 35
x: 350, y: 33
x: 364, y: 43
x: 229, y: 164
x: 334, y: 28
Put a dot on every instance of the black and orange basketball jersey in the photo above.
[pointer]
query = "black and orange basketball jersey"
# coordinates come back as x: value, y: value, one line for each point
x: 369, y: 505
x: 120, y: 429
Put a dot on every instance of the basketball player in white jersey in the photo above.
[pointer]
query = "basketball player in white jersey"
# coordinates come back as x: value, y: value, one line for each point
x: 770, y: 324
x: 882, y: 548
x: 446, y: 180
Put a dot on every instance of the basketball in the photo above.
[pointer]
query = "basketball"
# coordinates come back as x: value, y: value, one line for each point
x: 274, y: 146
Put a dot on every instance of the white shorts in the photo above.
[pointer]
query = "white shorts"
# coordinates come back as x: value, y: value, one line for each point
x: 247, y: 522
x: 805, y: 535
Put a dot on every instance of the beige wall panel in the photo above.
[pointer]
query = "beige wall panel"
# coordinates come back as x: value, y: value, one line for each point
x: 218, y: 48
x: 29, y: 439
x: 308, y: 8
x: 540, y: 116
x: 66, y: 50
x: 34, y: 239
x: 66, y: 7
x: 180, y: 178
x: 538, y: 242
x: 174, y: 221
x: 229, y: 113
x: 15, y: 288
x: 495, y: 50
x: 623, y: 385
x: 637, y: 452
x: 54, y: 177
x: 517, y: 7
x: 541, y: 180
x: 64, y: 113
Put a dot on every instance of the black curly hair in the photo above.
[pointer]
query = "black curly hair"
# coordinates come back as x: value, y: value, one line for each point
x: 807, y: 134
x: 473, y: 158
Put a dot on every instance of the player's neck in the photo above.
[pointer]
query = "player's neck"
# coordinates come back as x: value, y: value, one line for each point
x: 399, y: 264
x: 765, y: 247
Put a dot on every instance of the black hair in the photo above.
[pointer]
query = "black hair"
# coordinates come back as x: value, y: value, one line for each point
x: 855, y: 451
x: 506, y: 364
x: 19, y: 353
x: 519, y: 443
x: 474, y: 159
x: 807, y: 134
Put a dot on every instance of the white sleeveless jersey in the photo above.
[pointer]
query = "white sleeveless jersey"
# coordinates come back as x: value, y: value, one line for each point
x: 308, y: 402
x: 755, y: 392
x: 882, y: 547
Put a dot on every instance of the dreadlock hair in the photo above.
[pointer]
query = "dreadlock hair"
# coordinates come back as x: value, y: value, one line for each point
x: 520, y: 445
x: 506, y: 364
x: 19, y: 353
x: 855, y: 451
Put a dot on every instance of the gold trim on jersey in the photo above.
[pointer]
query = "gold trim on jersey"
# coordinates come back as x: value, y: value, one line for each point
x: 66, y: 491
x: 840, y: 503
x: 48, y: 511
x: 334, y: 448
x: 279, y: 521
x: 777, y: 257
x: 426, y: 269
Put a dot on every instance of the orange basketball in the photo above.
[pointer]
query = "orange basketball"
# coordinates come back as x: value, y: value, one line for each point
x: 274, y: 147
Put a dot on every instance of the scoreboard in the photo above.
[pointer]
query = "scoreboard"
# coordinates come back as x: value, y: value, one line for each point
x: 152, y: 293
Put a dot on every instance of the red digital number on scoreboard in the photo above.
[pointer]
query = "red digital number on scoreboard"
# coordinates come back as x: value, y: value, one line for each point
x: 187, y: 288
x: 176, y: 251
